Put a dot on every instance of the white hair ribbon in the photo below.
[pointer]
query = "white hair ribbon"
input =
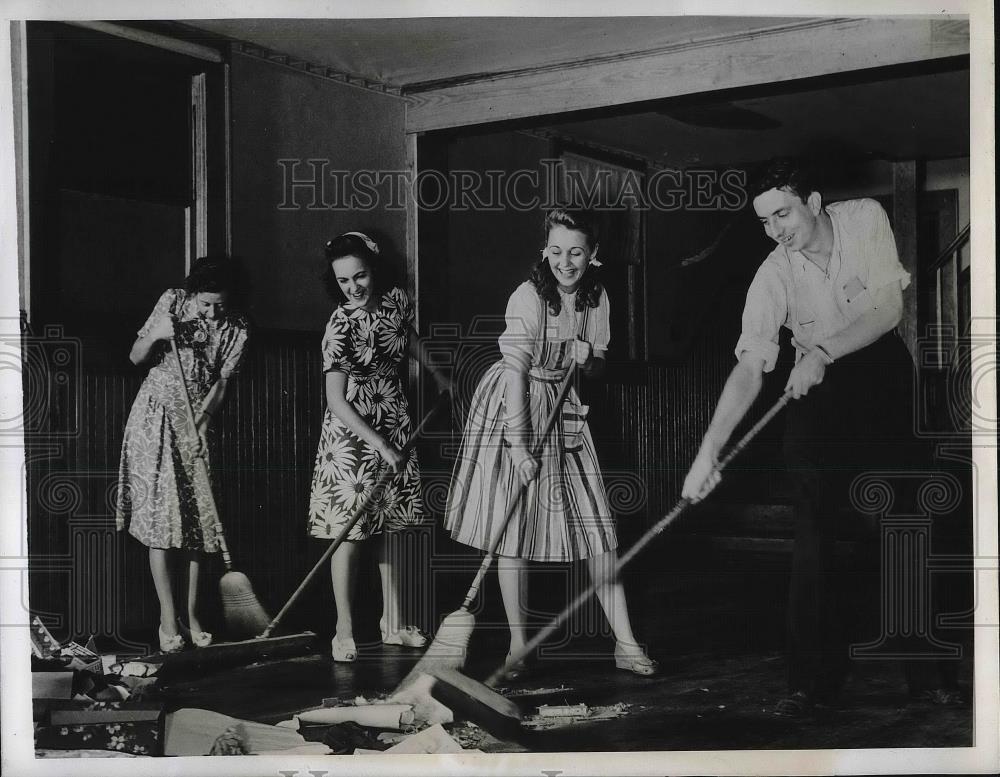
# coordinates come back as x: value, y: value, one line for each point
x: 372, y: 245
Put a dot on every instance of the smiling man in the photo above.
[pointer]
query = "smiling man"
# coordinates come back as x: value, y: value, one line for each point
x: 834, y: 279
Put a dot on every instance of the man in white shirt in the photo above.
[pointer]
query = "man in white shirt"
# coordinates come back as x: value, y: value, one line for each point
x: 835, y: 280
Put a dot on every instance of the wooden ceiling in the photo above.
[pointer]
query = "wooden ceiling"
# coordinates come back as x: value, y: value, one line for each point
x: 677, y: 91
x: 916, y: 116
x: 413, y: 54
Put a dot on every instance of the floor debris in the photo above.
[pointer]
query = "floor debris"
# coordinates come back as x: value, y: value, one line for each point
x: 431, y: 740
x: 394, y: 716
x: 563, y: 711
x: 193, y: 731
x: 509, y: 692
x: 557, y: 716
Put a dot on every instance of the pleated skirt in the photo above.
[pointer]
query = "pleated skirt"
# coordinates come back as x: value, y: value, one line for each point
x: 563, y: 513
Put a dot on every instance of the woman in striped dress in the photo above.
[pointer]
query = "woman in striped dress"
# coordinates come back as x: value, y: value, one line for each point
x: 558, y: 316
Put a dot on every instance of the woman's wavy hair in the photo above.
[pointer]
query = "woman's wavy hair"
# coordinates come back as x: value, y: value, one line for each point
x: 588, y: 293
x: 212, y: 274
x: 218, y: 274
x: 353, y: 244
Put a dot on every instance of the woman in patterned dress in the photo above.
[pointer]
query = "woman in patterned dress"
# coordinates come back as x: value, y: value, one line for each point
x: 365, y: 425
x: 564, y: 513
x: 163, y: 496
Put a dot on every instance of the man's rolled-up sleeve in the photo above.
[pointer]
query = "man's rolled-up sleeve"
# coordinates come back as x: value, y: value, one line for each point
x: 765, y: 311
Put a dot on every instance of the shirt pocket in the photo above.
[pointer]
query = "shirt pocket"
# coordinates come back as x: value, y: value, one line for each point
x: 855, y: 298
x: 803, y: 321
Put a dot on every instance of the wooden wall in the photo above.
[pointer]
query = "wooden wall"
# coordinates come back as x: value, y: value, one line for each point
x: 647, y: 424
x: 283, y: 114
x: 87, y: 579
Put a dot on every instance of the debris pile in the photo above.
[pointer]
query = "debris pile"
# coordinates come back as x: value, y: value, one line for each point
x: 86, y: 702
x: 558, y: 715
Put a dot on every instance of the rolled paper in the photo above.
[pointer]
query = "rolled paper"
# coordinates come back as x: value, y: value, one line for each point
x: 393, y: 716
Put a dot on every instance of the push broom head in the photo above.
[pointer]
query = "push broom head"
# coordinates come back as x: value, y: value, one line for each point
x: 446, y: 651
x: 245, y: 617
x: 471, y: 700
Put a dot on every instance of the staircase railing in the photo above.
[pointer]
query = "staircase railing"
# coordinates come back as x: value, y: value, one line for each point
x: 949, y: 314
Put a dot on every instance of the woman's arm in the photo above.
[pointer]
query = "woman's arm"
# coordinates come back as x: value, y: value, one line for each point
x: 591, y: 360
x: 143, y: 347
x: 518, y: 416
x: 336, y: 399
x: 210, y: 404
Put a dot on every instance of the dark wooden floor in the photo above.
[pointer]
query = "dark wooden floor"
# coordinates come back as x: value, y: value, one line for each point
x: 700, y: 702
x: 718, y: 638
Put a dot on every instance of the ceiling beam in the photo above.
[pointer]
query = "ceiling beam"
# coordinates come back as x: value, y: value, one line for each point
x: 801, y: 50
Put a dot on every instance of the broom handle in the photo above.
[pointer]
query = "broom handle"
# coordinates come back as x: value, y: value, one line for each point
x: 536, y: 451
x: 383, y: 480
x: 646, y: 538
x: 226, y: 559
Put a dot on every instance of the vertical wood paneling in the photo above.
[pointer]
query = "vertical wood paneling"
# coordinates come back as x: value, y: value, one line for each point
x: 263, y: 452
x: 262, y: 457
x: 662, y: 419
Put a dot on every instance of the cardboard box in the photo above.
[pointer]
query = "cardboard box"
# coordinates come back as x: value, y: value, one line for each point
x: 127, y: 727
x: 51, y: 685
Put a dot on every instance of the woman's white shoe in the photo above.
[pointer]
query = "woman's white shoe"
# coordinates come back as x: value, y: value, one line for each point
x: 344, y: 650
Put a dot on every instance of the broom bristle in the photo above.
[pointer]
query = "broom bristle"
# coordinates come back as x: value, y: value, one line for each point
x: 245, y: 617
x: 447, y: 650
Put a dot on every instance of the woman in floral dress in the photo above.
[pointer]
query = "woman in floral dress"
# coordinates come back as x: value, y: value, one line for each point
x: 164, y: 499
x: 365, y: 425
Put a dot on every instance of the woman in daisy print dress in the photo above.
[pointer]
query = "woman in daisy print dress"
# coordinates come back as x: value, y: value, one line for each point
x: 365, y: 425
x: 564, y: 513
x: 163, y: 497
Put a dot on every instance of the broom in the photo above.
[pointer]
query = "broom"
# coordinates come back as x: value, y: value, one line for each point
x: 446, y: 653
x: 645, y: 539
x: 497, y: 713
x: 387, y: 475
x: 243, y: 613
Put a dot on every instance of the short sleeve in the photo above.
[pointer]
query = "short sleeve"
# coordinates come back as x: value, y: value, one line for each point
x: 884, y: 266
x: 337, y: 343
x: 234, y: 349
x: 764, y: 313
x: 599, y: 324
x: 523, y: 323
x: 404, y: 305
x: 163, y: 306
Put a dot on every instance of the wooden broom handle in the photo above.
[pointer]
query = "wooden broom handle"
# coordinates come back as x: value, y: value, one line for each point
x: 383, y: 480
x: 646, y: 538
x: 226, y: 559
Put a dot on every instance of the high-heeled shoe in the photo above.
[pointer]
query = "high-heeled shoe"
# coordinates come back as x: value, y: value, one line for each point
x: 170, y: 643
x: 637, y: 663
x: 344, y: 650
x: 408, y: 636
x: 516, y: 671
x: 197, y: 638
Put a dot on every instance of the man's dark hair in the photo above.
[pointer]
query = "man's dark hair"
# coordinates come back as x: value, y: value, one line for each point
x: 797, y: 176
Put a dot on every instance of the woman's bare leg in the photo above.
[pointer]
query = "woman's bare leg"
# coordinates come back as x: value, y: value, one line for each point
x: 514, y: 591
x: 343, y: 573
